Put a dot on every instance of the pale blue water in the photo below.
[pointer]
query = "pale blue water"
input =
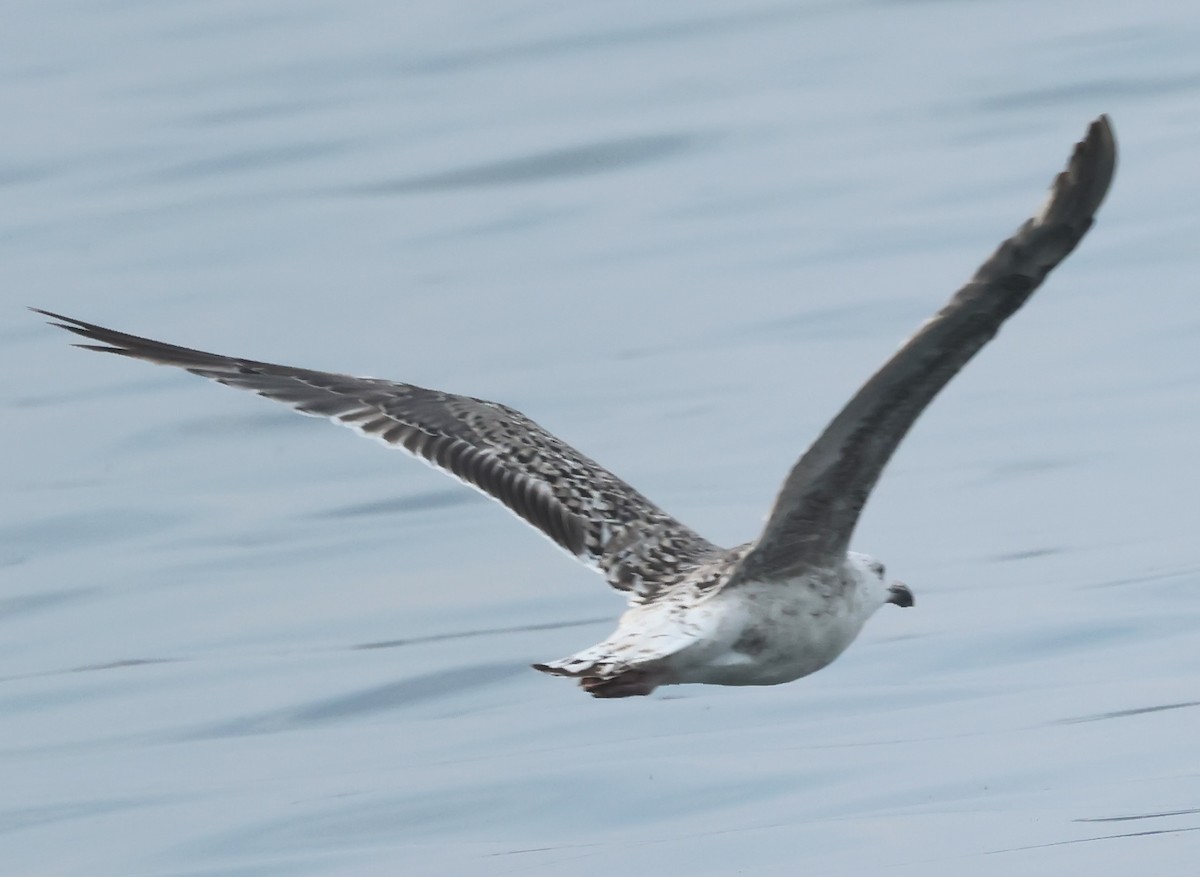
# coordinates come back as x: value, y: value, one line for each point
x: 679, y: 235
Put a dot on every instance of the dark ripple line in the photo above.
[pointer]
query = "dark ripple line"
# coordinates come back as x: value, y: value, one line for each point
x: 1121, y: 714
x: 1084, y: 840
x: 382, y: 644
x: 1162, y: 815
x: 571, y: 161
x: 465, y: 634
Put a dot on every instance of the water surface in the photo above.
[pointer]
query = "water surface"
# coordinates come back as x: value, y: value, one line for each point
x: 234, y: 641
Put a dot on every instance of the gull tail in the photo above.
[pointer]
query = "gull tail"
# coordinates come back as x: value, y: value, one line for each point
x: 602, y: 674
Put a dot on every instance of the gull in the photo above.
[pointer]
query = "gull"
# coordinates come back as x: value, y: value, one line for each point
x: 763, y: 613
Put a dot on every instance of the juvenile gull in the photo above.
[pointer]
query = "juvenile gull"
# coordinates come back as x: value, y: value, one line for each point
x: 766, y: 612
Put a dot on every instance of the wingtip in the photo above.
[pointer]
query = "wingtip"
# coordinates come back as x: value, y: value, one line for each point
x: 79, y: 327
x: 1103, y: 140
x: 60, y: 320
x: 1080, y: 189
x: 101, y: 348
x: 1101, y: 143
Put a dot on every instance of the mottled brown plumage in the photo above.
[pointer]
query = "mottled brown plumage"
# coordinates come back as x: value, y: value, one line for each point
x: 762, y: 613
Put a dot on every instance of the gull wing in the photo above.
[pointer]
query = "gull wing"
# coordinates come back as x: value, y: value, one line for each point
x: 577, y: 503
x: 819, y: 505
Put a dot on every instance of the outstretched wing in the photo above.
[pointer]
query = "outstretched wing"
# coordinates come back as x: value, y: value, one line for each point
x: 577, y: 503
x: 819, y: 504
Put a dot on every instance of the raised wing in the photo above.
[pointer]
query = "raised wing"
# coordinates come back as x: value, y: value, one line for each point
x: 819, y: 504
x: 580, y: 505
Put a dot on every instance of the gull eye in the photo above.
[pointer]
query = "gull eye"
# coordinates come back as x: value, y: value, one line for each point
x: 878, y: 568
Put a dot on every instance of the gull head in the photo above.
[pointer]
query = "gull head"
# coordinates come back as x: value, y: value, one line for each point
x: 872, y: 579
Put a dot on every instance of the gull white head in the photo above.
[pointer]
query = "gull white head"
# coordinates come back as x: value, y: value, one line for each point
x: 871, y: 576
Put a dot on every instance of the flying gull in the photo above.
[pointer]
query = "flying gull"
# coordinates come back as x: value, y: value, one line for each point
x: 763, y: 613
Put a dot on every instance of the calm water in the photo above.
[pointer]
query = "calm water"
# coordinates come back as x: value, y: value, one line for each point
x: 234, y: 641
